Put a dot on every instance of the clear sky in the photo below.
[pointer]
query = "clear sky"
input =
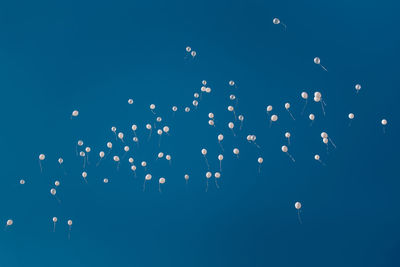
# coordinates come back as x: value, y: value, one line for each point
x: 94, y: 55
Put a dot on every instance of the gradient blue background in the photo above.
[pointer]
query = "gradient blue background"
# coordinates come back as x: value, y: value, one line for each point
x: 94, y: 55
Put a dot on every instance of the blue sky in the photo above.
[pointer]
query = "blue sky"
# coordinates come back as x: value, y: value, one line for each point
x: 94, y: 56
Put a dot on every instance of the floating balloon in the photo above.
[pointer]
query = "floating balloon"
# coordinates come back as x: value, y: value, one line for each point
x: 384, y: 123
x: 117, y: 160
x: 84, y: 175
x: 121, y: 137
x: 54, y: 192
x: 188, y: 49
x: 168, y: 157
x: 193, y: 54
x: 114, y: 130
x: 241, y: 119
x: 318, y: 98
x: 351, y: 117
x: 217, y: 175
x: 317, y: 61
x: 297, y: 205
x: 9, y: 222
x: 231, y: 109
x: 41, y: 158
x: 75, y: 113
x: 187, y: 109
x: 54, y: 223
x: 220, y: 158
x: 357, y: 87
x: 318, y: 158
x: 186, y: 176
x: 57, y: 183
x: 274, y: 118
x: 285, y: 150
x: 208, y: 176
x: 277, y: 21
x: 146, y: 178
x: 105, y: 180
x: 220, y: 138
x: 159, y: 132
x: 287, y: 135
x: 130, y: 101
x: 69, y: 228
x: 133, y: 168
x: 304, y: 95
x: 101, y: 155
x: 287, y: 106
x: 148, y: 127
x: 236, y: 152
x: 324, y: 136
x: 231, y: 83
x: 312, y: 118
x: 204, y: 153
x: 161, y: 181
x: 260, y: 160
x: 152, y: 108
x: 231, y: 125
x: 269, y: 109
x: 22, y: 181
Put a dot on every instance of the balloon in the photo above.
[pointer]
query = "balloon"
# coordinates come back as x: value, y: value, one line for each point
x: 287, y: 135
x: 231, y: 83
x: 277, y: 21
x: 297, y: 205
x: 317, y: 61
x: 358, y: 87
x: 174, y: 108
x: 304, y: 95
x: 75, y: 113
x: 54, y: 223
x: 60, y: 160
x: 274, y: 118
x: 22, y: 181
x: 53, y: 191
x: 351, y: 116
x: 188, y: 49
x: 109, y: 145
x: 187, y: 109
x: 130, y: 101
x: 285, y: 150
x: 69, y: 222
x: 236, y: 152
x: 204, y: 152
x: 105, y: 180
x: 193, y: 53
x: 57, y: 183
x: 42, y: 157
x: 211, y: 115
x: 186, y: 178
x: 220, y: 158
x: 130, y: 160
x: 161, y: 180
x: 10, y: 222
x: 384, y: 122
x: 269, y: 108
x: 287, y: 106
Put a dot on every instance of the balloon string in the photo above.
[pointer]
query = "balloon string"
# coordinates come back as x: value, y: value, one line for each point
x: 216, y: 184
x: 291, y: 157
x: 304, y: 108
x: 323, y: 109
x: 332, y: 142
x: 291, y: 115
x: 208, y: 165
x: 298, y: 215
